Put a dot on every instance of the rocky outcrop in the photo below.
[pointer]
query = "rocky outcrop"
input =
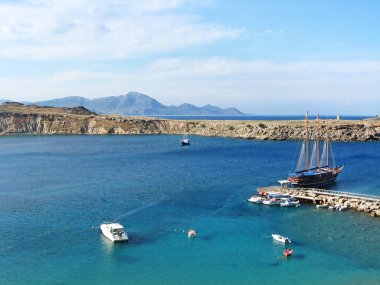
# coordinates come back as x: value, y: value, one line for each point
x: 361, y: 203
x: 369, y: 206
x: 21, y: 119
x: 358, y: 202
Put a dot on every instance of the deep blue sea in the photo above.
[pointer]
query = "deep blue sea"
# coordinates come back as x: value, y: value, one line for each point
x: 54, y: 189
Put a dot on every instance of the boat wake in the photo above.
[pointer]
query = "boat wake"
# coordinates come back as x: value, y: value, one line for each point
x: 134, y: 211
x: 228, y: 203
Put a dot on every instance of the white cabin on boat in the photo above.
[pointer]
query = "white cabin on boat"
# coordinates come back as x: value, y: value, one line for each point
x: 114, y: 232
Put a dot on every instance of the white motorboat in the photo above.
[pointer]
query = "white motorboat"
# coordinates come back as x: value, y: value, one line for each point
x: 278, y: 195
x: 342, y: 208
x: 280, y: 238
x: 332, y: 208
x: 256, y: 199
x: 271, y: 202
x: 290, y: 202
x: 114, y: 232
x: 322, y: 206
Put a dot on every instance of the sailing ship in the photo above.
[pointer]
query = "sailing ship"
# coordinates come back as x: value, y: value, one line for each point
x: 185, y: 140
x: 320, y: 169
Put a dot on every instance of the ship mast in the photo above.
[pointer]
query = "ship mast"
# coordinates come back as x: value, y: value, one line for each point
x: 317, y: 143
x: 327, y: 143
x: 307, y: 141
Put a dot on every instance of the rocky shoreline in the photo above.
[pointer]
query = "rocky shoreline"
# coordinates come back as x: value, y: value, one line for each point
x: 21, y: 119
x: 361, y: 203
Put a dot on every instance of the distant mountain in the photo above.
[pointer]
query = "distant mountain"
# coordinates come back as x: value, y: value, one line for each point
x: 71, y: 101
x: 137, y: 104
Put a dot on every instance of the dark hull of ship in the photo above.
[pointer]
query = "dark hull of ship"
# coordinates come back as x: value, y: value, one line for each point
x: 316, y: 180
x: 185, y: 143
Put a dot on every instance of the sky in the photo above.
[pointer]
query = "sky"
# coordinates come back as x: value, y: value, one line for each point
x: 265, y: 57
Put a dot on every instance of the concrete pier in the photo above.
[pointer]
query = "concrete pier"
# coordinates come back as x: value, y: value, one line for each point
x: 369, y: 204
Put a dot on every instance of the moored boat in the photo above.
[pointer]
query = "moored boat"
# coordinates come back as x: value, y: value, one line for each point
x: 271, y: 202
x: 114, y: 231
x: 342, y: 208
x: 289, y: 202
x: 322, y: 206
x: 275, y: 198
x: 281, y: 238
x: 278, y: 195
x: 256, y: 199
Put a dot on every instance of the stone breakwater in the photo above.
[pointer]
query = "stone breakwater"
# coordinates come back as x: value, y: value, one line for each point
x: 20, y: 119
x: 359, y: 202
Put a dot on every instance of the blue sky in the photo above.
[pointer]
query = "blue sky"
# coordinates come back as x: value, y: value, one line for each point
x: 263, y: 57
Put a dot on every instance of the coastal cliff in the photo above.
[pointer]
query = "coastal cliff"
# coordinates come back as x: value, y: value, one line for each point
x: 23, y: 119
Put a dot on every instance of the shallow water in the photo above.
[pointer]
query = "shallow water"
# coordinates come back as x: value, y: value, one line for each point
x: 53, y: 189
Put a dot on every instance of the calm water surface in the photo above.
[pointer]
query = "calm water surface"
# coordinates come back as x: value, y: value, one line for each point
x: 54, y: 189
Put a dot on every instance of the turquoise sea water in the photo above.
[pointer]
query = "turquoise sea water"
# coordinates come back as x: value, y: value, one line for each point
x: 53, y: 189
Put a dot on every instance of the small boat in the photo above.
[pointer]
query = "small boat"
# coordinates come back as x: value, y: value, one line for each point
x: 185, y: 140
x: 256, y: 199
x: 114, y: 231
x: 191, y: 233
x: 271, y: 202
x: 278, y: 195
x: 322, y: 206
x: 290, y: 202
x: 332, y: 208
x: 342, y: 208
x: 280, y: 238
x: 287, y: 252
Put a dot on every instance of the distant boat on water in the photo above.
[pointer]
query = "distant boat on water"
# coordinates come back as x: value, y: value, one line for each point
x: 288, y: 252
x: 320, y: 169
x: 114, y: 231
x: 185, y: 140
x: 281, y: 238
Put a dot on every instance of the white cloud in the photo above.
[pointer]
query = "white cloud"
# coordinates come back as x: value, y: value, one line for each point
x: 79, y: 76
x: 101, y: 29
x: 269, y: 32
x: 266, y: 87
x: 263, y: 87
x: 225, y: 67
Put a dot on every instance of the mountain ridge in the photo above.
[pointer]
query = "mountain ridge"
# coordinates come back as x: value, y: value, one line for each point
x: 136, y: 104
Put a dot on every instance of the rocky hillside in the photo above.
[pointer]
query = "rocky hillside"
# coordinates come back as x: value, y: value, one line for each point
x: 21, y: 119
